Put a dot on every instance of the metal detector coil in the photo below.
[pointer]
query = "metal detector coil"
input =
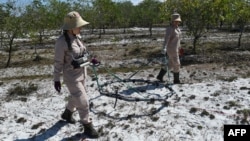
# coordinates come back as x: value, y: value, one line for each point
x: 133, y: 90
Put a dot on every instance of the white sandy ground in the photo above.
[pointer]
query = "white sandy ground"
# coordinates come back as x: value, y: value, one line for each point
x: 128, y: 121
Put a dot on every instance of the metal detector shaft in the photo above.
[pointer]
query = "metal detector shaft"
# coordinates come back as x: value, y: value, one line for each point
x: 96, y: 76
x: 165, y: 64
x: 121, y: 80
x: 139, y: 69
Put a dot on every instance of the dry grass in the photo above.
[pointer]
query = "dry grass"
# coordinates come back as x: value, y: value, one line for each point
x: 210, y: 56
x: 21, y: 92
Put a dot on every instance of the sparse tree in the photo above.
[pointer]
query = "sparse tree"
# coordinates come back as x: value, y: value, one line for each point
x: 197, y: 15
x: 124, y: 14
x: 56, y: 10
x: 13, y: 26
x: 35, y: 14
x: 105, y: 15
x: 148, y: 11
x: 238, y: 14
x: 3, y: 14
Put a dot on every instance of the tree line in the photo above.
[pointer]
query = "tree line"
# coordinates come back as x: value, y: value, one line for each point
x: 198, y: 16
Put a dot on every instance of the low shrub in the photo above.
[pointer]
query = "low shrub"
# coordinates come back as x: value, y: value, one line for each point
x: 20, y: 90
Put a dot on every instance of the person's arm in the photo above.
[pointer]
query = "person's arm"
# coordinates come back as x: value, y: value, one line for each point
x: 58, y: 60
x: 166, y: 39
x: 58, y: 63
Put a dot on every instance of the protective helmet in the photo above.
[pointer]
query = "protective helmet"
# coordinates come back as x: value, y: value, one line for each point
x: 73, y: 20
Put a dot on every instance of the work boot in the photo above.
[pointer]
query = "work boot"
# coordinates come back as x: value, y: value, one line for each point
x: 90, y: 131
x: 176, y: 78
x: 68, y: 116
x: 161, y: 74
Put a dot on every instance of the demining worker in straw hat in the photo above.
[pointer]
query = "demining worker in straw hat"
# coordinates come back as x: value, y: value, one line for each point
x: 171, y: 46
x: 68, y: 51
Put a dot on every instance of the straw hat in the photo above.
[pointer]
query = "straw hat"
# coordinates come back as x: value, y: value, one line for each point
x: 73, y: 20
x: 176, y: 17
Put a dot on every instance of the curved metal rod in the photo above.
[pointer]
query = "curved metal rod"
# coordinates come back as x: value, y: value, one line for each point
x: 116, y: 94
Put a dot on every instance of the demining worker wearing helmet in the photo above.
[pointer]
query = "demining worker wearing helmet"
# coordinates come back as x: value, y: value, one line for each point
x: 171, y: 48
x: 68, y: 51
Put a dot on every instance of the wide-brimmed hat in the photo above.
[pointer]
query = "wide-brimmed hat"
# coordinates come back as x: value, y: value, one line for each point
x: 73, y: 20
x: 176, y: 17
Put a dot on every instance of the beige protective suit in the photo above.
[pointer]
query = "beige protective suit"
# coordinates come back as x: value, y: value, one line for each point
x: 172, y: 44
x: 73, y: 78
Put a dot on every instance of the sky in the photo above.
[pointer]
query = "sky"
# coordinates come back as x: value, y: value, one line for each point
x: 135, y: 2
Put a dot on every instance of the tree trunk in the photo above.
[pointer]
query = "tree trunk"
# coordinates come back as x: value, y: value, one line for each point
x: 9, y: 58
x: 103, y: 29
x: 10, y: 51
x: 1, y: 39
x: 239, y: 39
x: 40, y: 37
x: 150, y: 31
x: 92, y: 30
x: 194, y: 44
x: 100, y: 33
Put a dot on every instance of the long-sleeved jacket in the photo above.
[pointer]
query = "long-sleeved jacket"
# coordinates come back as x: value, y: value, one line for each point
x: 63, y: 59
x: 172, y: 40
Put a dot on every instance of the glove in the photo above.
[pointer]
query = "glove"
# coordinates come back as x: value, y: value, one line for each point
x: 181, y: 51
x: 57, y: 85
x: 164, y: 51
x: 94, y: 61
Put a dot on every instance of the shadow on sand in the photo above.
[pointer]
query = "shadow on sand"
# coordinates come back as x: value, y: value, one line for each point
x: 52, y: 131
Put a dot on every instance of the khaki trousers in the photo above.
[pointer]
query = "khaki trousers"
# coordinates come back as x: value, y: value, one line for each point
x: 78, y: 100
x: 174, y: 63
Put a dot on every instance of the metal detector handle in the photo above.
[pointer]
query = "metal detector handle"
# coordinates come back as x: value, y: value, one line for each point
x: 84, y: 64
x: 165, y: 61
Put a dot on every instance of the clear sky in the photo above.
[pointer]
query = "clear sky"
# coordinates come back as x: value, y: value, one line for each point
x: 23, y: 2
x: 135, y: 2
